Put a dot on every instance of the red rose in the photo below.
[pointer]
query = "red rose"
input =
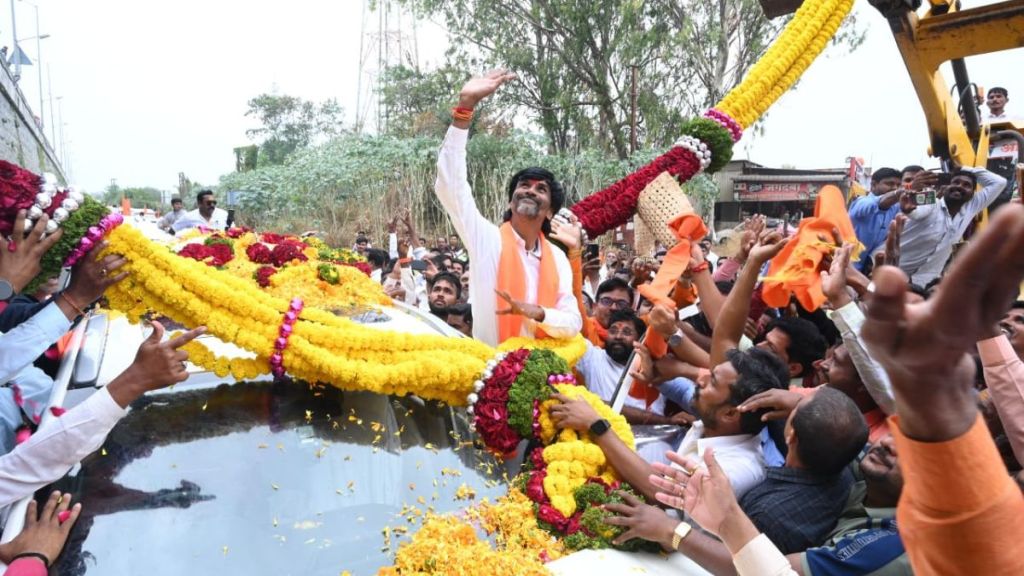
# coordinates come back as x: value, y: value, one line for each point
x: 263, y: 274
x: 537, y: 459
x: 258, y: 253
x: 492, y: 392
x: 220, y: 254
x: 271, y: 238
x: 547, y: 513
x: 535, y: 487
x: 363, y: 267
x: 574, y: 523
x: 284, y: 253
x: 194, y: 251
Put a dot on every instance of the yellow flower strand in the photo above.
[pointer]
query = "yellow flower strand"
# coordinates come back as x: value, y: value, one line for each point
x: 323, y: 347
x: 574, y: 458
x: 806, y: 35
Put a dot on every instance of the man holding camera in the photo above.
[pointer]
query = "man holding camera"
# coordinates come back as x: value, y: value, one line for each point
x: 932, y: 229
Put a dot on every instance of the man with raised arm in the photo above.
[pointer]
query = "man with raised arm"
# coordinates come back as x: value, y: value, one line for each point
x: 520, y: 284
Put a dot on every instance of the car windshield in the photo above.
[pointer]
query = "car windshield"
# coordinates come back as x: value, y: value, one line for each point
x: 268, y: 478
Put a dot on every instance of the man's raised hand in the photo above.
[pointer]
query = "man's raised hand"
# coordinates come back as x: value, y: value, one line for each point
x: 476, y: 89
x: 923, y: 346
x: 157, y: 365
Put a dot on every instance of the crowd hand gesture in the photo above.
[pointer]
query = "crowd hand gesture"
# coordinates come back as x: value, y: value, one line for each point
x: 752, y: 229
x: 663, y: 320
x: 696, y: 259
x: 833, y: 282
x: 908, y: 203
x: 519, y: 308
x: 643, y: 367
x: 44, y: 533
x: 393, y: 225
x: 476, y: 89
x: 157, y: 365
x: 20, y: 256
x: 891, y: 255
x: 924, y: 346
x: 768, y: 245
x: 92, y: 275
x: 569, y: 233
x: 702, y: 491
x: 779, y: 403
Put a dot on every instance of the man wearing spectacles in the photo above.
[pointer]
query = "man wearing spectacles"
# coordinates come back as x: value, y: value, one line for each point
x: 206, y: 214
x: 613, y: 295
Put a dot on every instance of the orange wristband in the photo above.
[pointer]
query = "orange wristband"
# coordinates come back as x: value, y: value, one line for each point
x: 460, y: 113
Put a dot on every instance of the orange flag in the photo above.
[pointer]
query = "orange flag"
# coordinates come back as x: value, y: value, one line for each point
x: 795, y: 270
x: 126, y: 206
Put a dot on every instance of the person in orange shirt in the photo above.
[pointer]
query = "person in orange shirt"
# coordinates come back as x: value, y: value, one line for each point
x: 960, y: 512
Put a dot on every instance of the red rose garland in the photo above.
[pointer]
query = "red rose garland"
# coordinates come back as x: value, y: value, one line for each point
x: 613, y: 206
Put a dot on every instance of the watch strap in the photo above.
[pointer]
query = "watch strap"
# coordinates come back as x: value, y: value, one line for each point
x: 681, y: 531
x: 600, y: 427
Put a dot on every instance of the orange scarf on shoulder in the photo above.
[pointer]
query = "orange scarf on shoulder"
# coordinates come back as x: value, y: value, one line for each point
x: 511, y: 279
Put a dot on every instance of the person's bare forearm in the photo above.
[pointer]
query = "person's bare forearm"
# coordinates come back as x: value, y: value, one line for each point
x: 733, y: 318
x: 640, y: 416
x: 628, y: 464
x: 688, y: 351
x: 711, y: 300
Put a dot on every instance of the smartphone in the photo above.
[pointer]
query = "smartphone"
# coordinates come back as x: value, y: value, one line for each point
x: 923, y: 198
x: 418, y: 265
x: 592, y: 250
x: 944, y: 179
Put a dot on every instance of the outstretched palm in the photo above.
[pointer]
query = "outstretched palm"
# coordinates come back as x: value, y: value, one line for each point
x: 476, y: 89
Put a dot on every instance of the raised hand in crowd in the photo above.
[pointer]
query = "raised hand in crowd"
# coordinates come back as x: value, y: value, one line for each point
x: 567, y: 230
x: 476, y: 89
x: 703, y: 491
x: 924, y: 346
x: 45, y: 532
x: 20, y: 256
x: 891, y: 255
x: 157, y: 365
x: 834, y: 281
x: 752, y: 229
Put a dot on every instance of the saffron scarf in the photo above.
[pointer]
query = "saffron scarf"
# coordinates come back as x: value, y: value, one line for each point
x: 794, y: 271
x: 511, y: 279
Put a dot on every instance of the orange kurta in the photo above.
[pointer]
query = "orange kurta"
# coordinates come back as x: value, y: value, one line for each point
x: 960, y: 512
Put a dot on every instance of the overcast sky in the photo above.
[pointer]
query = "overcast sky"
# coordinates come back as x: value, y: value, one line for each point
x: 151, y: 89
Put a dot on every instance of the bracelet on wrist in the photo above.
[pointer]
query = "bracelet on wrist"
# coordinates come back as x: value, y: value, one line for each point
x: 37, y: 555
x: 462, y: 113
x: 74, y: 305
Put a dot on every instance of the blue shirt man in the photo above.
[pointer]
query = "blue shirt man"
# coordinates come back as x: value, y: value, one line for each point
x: 871, y: 214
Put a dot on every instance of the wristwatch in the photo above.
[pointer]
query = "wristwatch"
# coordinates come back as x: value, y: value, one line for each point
x: 682, y: 531
x: 600, y: 427
x: 6, y: 290
x: 676, y: 339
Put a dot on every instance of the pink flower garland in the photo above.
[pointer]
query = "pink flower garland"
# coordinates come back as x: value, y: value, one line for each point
x: 281, y: 344
x: 92, y: 238
x: 727, y: 122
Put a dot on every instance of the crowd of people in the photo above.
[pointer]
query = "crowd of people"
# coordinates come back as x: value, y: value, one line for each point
x: 882, y: 433
x: 879, y: 434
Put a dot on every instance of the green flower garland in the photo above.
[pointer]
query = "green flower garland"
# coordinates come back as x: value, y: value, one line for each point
x: 717, y: 138
x: 530, y: 385
x: 89, y: 213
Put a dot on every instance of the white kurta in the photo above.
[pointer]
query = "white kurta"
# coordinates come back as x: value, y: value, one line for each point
x: 482, y: 240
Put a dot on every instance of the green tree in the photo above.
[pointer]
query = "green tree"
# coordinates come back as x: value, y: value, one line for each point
x: 288, y: 123
x: 140, y: 196
x: 582, y: 65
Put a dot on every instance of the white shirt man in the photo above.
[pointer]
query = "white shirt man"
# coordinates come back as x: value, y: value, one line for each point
x: 218, y: 219
x: 739, y: 455
x: 602, y: 373
x: 931, y: 231
x: 482, y: 240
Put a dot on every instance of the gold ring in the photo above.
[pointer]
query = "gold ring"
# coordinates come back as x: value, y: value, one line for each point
x: 103, y: 271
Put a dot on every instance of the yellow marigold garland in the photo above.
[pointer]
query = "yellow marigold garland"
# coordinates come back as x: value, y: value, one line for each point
x: 574, y: 458
x: 323, y: 347
x: 807, y: 34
